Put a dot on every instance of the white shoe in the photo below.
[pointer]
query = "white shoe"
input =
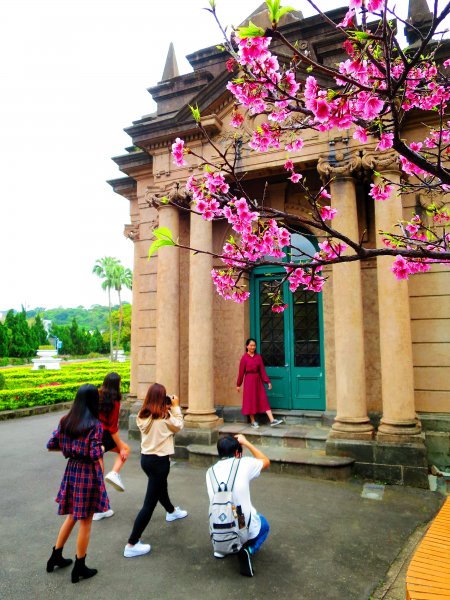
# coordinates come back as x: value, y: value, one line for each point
x: 255, y: 425
x: 136, y: 550
x: 103, y: 515
x: 276, y: 422
x: 219, y: 555
x: 178, y: 513
x: 114, y: 479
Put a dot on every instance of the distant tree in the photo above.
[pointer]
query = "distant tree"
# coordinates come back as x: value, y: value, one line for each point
x: 39, y: 331
x: 97, y: 343
x: 122, y: 278
x: 80, y: 337
x: 105, y: 269
x: 23, y: 342
x: 126, y: 325
x: 5, y: 340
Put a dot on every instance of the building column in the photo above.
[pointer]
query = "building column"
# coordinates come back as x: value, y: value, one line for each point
x: 351, y: 420
x: 132, y: 232
x: 168, y: 305
x: 201, y: 411
x: 399, y: 419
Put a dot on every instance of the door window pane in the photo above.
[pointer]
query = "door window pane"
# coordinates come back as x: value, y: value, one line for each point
x: 306, y: 329
x: 271, y: 333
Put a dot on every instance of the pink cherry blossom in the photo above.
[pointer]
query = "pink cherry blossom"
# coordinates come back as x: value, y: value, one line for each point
x: 327, y: 213
x: 295, y: 177
x: 380, y: 192
x: 177, y: 152
x: 386, y: 141
x: 400, y: 268
x: 360, y: 134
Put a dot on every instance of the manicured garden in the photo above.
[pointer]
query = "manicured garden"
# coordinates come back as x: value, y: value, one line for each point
x: 24, y: 388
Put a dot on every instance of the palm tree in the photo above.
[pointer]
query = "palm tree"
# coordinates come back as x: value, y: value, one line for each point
x: 105, y: 268
x: 122, y: 278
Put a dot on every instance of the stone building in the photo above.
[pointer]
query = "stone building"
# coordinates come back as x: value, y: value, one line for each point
x: 369, y: 355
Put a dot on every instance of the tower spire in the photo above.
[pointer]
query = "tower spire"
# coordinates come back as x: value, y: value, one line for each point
x: 171, y: 67
x: 420, y: 17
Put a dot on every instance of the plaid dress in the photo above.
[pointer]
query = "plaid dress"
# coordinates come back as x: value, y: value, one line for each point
x: 82, y: 490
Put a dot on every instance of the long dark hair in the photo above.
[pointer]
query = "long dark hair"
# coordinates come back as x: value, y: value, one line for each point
x: 109, y: 392
x: 155, y: 403
x: 83, y: 414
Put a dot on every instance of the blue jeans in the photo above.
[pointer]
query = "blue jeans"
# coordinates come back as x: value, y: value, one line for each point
x: 255, y: 544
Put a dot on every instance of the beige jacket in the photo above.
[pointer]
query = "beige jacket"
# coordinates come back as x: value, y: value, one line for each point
x: 159, y: 438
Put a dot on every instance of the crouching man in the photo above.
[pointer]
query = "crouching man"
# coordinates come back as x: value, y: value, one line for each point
x: 233, y: 473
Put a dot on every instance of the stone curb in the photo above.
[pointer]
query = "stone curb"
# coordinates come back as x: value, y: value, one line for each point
x: 30, y: 411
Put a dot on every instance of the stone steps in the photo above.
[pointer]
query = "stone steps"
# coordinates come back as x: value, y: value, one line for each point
x: 285, y: 435
x: 300, y: 462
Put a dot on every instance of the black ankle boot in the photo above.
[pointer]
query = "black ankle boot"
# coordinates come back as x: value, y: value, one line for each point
x: 57, y: 560
x: 81, y: 570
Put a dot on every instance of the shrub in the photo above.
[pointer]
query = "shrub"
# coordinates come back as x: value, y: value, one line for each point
x: 47, y: 347
x: 2, y: 382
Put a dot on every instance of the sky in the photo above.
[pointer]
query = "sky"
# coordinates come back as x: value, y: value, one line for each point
x: 73, y: 74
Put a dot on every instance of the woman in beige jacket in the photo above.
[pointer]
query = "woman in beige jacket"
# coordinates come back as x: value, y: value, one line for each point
x: 158, y: 420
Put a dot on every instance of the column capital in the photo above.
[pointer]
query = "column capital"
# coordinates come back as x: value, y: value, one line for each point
x: 131, y: 231
x: 339, y: 165
x: 382, y: 162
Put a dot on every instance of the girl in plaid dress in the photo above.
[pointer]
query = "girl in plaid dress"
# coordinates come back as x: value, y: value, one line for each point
x: 82, y: 491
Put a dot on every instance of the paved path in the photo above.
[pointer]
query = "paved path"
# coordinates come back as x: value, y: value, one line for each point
x: 326, y: 542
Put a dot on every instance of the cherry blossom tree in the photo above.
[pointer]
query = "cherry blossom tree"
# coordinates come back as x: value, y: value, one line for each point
x: 372, y: 93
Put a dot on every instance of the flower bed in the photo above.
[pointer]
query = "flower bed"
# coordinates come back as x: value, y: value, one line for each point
x: 26, y: 388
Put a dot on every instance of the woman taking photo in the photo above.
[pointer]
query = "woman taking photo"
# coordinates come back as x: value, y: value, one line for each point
x: 158, y: 420
x: 82, y: 491
x: 254, y: 376
x: 109, y: 409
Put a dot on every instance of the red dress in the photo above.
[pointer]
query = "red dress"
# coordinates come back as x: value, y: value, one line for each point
x: 253, y: 373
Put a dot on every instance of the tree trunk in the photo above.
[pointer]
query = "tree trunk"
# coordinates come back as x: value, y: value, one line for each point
x: 120, y: 323
x: 110, y: 327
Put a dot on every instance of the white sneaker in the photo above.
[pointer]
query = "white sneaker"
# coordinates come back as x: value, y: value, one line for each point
x: 178, y: 513
x: 276, y: 422
x: 114, y: 479
x: 137, y: 550
x: 103, y: 515
x: 219, y: 555
x: 255, y: 425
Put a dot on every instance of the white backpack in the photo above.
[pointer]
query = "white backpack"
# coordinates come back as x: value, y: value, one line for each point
x: 226, y: 526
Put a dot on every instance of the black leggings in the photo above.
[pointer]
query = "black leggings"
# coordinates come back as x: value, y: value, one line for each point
x: 157, y: 470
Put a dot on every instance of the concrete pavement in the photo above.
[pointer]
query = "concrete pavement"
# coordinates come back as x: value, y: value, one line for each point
x: 326, y: 542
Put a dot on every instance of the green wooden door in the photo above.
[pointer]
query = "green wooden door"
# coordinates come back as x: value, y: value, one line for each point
x: 291, y: 344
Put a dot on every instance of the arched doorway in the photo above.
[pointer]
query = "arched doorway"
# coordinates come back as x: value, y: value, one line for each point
x: 291, y: 343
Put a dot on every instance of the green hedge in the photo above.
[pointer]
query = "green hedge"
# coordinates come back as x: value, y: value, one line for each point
x: 23, y: 391
x: 12, y: 399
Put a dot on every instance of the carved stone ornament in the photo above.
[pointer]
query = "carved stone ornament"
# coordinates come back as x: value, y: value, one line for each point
x: 382, y: 162
x: 338, y: 165
x: 131, y: 231
x: 176, y: 194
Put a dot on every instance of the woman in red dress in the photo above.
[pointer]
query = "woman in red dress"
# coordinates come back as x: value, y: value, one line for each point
x: 254, y: 376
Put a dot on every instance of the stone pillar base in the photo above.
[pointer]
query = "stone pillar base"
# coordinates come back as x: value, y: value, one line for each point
x: 399, y: 431
x: 202, y: 419
x: 352, y: 428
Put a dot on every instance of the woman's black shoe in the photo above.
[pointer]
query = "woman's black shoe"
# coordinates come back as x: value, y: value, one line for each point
x: 81, y: 570
x: 57, y: 560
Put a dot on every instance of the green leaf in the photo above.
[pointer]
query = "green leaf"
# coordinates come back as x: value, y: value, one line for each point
x: 164, y: 200
x: 195, y: 113
x: 251, y: 31
x: 284, y: 10
x: 309, y: 69
x: 163, y: 233
x: 212, y: 4
x: 361, y: 36
x: 157, y: 244
x: 221, y: 48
